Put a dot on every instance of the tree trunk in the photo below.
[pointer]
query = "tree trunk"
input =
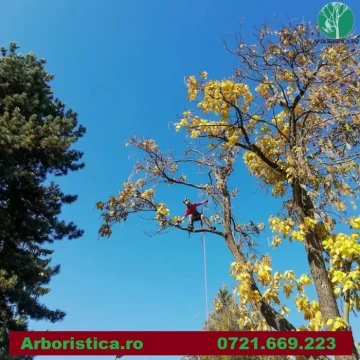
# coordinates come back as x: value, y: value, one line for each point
x: 272, y: 317
x: 316, y: 261
x: 327, y: 302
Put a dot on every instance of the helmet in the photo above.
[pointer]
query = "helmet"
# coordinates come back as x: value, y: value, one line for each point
x: 186, y: 200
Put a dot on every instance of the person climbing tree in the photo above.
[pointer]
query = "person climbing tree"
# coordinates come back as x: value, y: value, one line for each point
x: 194, y: 215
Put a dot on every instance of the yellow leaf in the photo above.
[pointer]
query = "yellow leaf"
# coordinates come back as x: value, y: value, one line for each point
x: 305, y: 280
x: 348, y: 285
x: 354, y: 222
x: 337, y: 291
x: 339, y: 323
x: 288, y: 287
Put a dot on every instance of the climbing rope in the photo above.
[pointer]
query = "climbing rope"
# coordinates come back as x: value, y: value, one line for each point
x: 203, y: 244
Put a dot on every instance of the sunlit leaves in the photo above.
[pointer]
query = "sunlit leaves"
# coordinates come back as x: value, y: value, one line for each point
x: 283, y: 227
x: 355, y: 222
x: 273, y: 282
x: 342, y: 247
x: 337, y: 323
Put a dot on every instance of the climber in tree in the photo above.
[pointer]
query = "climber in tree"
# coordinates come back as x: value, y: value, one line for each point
x: 194, y: 215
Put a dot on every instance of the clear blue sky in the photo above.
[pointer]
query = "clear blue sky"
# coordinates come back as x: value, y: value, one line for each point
x: 120, y: 64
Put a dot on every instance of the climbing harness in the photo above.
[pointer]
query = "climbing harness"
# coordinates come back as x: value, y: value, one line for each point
x: 201, y: 223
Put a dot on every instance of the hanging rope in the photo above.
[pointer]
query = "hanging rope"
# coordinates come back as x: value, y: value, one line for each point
x: 203, y: 244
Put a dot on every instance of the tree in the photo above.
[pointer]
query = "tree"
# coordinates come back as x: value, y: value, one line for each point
x: 226, y: 316
x: 291, y: 111
x: 36, y: 133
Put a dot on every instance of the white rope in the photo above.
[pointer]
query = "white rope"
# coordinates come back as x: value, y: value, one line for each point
x: 203, y: 244
x: 205, y: 278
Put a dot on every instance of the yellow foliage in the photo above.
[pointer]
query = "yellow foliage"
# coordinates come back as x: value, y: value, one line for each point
x: 287, y: 75
x: 355, y: 222
x: 288, y: 288
x: 186, y: 115
x: 289, y: 274
x: 276, y: 241
x: 162, y: 210
x: 147, y: 194
x: 309, y: 223
x: 337, y: 323
x: 284, y: 310
x: 341, y: 247
x: 283, y: 227
x: 218, y: 305
x: 263, y: 90
x: 298, y: 235
x: 175, y: 219
x: 279, y: 188
x: 192, y: 88
x: 305, y: 280
x: 181, y: 124
x: 316, y: 323
x: 233, y: 140
x: 195, y: 134
x: 139, y: 183
x: 264, y: 274
x: 271, y: 295
x: 309, y: 310
x: 218, y: 97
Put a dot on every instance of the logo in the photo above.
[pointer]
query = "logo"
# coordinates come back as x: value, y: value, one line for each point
x: 336, y: 20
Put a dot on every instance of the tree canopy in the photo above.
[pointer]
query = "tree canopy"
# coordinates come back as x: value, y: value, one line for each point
x: 36, y: 135
x: 290, y: 112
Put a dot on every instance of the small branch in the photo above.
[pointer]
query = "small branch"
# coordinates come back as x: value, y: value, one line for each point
x: 346, y: 307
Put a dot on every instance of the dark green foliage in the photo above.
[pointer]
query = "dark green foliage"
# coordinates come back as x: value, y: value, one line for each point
x: 36, y: 135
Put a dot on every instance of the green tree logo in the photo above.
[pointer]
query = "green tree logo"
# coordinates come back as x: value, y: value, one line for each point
x: 336, y: 20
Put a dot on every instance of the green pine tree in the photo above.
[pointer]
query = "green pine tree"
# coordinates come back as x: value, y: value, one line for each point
x: 36, y: 135
x: 224, y: 317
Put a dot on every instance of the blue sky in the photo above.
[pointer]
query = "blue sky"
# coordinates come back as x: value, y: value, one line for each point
x: 120, y: 64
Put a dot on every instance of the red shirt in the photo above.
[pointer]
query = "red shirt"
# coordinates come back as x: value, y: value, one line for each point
x: 192, y: 210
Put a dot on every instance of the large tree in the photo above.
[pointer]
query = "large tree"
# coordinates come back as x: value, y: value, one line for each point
x: 36, y: 135
x: 291, y: 112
